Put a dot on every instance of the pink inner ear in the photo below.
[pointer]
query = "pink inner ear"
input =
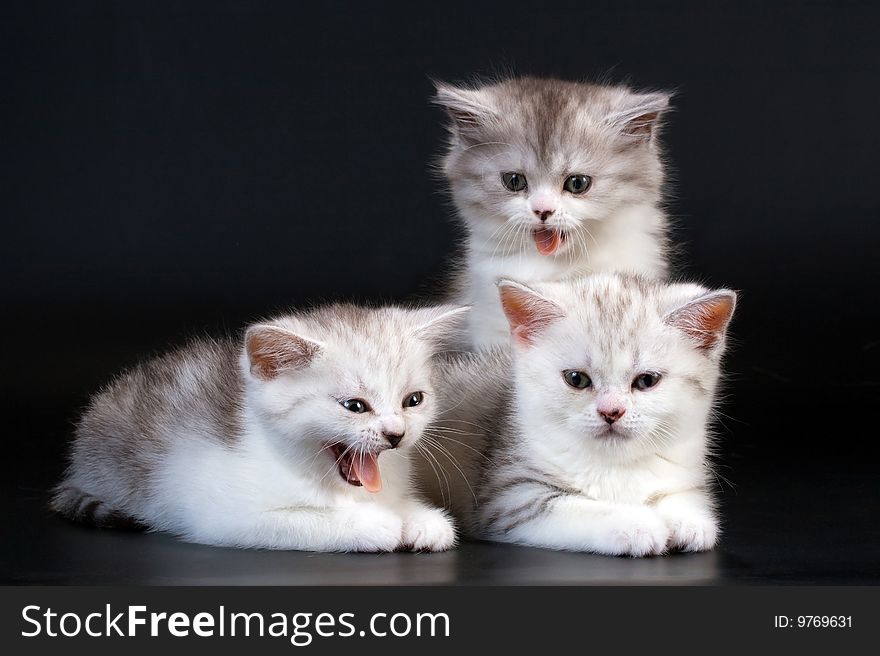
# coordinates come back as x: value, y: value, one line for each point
x: 527, y: 313
x: 705, y: 320
x: 272, y: 351
x: 641, y: 126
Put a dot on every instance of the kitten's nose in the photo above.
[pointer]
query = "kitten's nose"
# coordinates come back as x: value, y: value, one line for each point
x: 543, y: 214
x: 393, y: 438
x: 611, y: 414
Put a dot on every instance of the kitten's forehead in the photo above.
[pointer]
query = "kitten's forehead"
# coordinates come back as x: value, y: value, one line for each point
x: 617, y: 317
x: 377, y: 345
x: 616, y: 320
x: 555, y: 119
x: 548, y: 101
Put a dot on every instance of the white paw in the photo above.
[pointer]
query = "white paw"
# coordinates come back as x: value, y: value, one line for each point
x: 636, y: 532
x: 374, y: 528
x: 428, y: 529
x: 697, y: 532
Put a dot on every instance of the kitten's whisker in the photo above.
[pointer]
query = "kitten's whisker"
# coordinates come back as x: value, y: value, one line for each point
x: 333, y: 439
x: 482, y: 429
x: 336, y: 464
x: 467, y: 446
x: 494, y: 234
x: 455, y: 464
x: 509, y: 229
x: 487, y: 143
x: 427, y: 455
x: 442, y: 471
x: 450, y: 429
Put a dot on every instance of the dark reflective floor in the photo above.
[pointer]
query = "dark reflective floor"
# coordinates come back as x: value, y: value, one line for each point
x: 178, y: 173
x: 815, y: 524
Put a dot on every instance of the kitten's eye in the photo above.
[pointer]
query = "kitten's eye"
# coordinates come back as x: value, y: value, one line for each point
x: 646, y: 380
x: 577, y: 379
x: 514, y: 181
x: 577, y: 183
x: 413, y: 400
x: 357, y: 406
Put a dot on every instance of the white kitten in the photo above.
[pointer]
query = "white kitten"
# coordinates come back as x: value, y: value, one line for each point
x: 272, y: 442
x: 552, y: 179
x: 591, y: 435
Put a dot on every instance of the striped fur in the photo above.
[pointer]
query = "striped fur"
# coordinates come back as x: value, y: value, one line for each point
x: 230, y: 442
x: 538, y: 465
x: 547, y: 130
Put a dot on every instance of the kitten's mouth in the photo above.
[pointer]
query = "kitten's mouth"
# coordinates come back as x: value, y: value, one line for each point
x: 357, y: 467
x: 611, y: 433
x: 548, y: 240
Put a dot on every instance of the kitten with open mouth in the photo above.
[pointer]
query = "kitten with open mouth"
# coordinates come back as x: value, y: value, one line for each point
x: 358, y: 468
x: 297, y: 436
x: 548, y: 240
x: 552, y: 180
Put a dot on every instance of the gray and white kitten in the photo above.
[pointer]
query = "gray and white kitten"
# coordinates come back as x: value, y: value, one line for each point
x: 296, y: 437
x: 592, y: 432
x: 552, y: 179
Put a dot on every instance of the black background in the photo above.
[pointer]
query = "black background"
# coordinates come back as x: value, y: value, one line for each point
x: 172, y: 169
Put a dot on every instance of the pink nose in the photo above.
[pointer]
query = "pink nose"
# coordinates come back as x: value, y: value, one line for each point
x: 611, y: 414
x: 393, y: 427
x: 543, y: 214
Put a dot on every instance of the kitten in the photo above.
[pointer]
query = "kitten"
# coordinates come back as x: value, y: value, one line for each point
x: 590, y: 434
x: 296, y: 437
x: 552, y: 179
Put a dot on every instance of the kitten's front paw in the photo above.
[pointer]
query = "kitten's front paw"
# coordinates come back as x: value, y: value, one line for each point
x: 428, y: 529
x: 373, y: 528
x: 637, y: 532
x: 697, y: 532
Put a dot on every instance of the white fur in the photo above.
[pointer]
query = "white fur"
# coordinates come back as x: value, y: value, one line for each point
x: 555, y: 478
x: 547, y: 130
x: 273, y: 484
x: 625, y: 242
x: 252, y: 495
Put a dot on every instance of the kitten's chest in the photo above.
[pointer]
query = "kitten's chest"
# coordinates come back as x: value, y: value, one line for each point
x: 631, y: 484
x: 485, y: 271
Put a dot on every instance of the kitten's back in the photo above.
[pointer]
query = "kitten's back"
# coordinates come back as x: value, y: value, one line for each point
x: 193, y: 393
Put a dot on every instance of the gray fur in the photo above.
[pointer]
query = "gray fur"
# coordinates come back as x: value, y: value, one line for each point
x: 547, y: 130
x: 538, y: 448
x: 128, y: 426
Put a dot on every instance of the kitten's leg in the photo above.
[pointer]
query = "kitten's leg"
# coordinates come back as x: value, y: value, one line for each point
x: 542, y: 516
x: 426, y: 528
x: 357, y: 527
x: 691, y: 520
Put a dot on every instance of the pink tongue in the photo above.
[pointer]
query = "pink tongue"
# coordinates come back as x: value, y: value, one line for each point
x: 546, y: 240
x: 366, y: 468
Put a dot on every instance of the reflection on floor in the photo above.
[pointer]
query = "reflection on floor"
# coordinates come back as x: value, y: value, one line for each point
x: 777, y: 530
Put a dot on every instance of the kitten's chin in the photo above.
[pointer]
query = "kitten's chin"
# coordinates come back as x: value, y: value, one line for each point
x: 357, y: 468
x: 611, y: 434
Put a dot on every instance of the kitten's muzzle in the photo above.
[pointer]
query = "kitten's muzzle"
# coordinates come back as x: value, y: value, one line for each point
x: 610, y: 415
x: 356, y: 467
x: 393, y: 438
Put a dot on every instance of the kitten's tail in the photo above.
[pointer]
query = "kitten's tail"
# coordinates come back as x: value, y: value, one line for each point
x: 78, y: 506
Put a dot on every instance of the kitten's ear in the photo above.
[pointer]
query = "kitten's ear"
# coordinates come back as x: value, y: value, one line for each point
x: 641, y: 115
x: 439, y: 323
x: 705, y: 318
x: 468, y: 109
x: 272, y: 350
x: 527, y: 311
